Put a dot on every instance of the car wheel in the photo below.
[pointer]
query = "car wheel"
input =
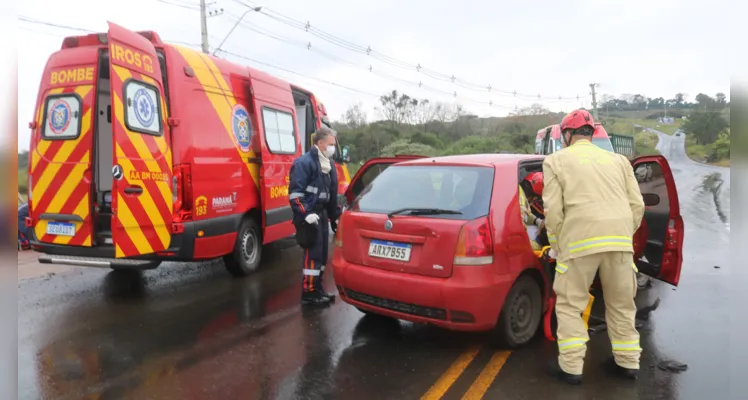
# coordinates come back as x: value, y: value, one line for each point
x: 245, y: 259
x: 521, y: 315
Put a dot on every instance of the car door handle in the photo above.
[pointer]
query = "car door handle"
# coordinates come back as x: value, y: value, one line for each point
x: 134, y: 190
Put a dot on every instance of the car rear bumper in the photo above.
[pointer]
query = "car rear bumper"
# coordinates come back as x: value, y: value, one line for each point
x: 470, y: 300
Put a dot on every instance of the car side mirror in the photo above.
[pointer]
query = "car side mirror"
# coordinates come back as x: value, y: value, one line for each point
x: 345, y: 154
x: 651, y: 199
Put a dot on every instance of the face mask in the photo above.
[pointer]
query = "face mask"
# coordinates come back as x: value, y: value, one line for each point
x: 329, y: 151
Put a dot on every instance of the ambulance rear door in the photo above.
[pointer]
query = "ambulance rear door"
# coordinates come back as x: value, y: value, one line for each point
x: 279, y: 141
x: 60, y: 153
x: 658, y: 243
x: 142, y: 198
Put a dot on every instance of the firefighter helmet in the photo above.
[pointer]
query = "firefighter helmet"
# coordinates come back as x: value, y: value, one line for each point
x: 535, y: 182
x: 577, y: 119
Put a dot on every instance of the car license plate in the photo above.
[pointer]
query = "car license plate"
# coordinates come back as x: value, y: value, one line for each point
x: 389, y: 250
x: 60, y: 228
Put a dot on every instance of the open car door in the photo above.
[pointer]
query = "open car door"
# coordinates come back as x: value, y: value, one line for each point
x: 141, y: 190
x: 658, y: 243
x: 370, y: 170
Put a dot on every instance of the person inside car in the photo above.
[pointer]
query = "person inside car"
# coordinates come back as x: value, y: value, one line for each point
x: 531, y: 204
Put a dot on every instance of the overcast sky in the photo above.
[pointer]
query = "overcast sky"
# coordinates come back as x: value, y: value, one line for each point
x: 547, y: 47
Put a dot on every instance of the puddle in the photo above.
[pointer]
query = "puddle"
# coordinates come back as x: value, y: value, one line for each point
x: 712, y: 183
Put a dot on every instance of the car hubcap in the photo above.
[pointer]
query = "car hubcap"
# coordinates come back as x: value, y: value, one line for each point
x: 249, y: 247
x: 521, y: 314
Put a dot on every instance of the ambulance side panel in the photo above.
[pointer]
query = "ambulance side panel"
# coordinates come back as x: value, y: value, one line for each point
x: 216, y: 137
x: 60, y: 149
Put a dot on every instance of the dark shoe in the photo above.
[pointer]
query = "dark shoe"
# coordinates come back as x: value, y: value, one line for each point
x: 621, y: 372
x: 315, y: 299
x: 555, y: 371
x: 328, y: 295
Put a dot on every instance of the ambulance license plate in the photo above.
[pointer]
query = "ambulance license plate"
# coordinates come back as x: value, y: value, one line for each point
x: 389, y: 250
x: 60, y: 228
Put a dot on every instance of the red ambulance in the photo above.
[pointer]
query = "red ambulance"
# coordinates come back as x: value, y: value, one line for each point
x: 142, y: 151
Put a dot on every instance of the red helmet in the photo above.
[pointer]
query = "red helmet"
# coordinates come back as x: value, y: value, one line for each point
x: 535, y: 181
x: 577, y: 119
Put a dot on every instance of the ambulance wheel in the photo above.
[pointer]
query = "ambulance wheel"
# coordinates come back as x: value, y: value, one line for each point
x: 245, y: 259
x: 520, y: 318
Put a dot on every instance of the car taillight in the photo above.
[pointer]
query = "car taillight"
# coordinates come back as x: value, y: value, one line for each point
x: 475, y: 244
x: 339, y: 232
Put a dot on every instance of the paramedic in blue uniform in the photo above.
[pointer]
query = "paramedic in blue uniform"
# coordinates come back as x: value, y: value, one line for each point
x: 313, y: 191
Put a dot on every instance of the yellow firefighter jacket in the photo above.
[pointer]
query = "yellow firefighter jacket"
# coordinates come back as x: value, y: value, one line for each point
x: 592, y: 201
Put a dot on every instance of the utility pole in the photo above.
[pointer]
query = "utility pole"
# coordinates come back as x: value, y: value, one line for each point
x: 594, y: 99
x: 204, y: 27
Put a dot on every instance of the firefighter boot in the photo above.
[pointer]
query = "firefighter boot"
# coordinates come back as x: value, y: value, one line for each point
x: 315, y: 298
x: 555, y: 371
x: 617, y: 370
x: 320, y: 289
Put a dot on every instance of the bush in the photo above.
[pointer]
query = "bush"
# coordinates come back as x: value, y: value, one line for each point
x: 405, y: 146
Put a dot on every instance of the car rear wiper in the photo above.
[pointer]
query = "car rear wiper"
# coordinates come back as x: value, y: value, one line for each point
x: 424, y: 211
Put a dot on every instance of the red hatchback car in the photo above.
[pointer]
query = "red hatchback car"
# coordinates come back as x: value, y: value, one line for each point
x: 441, y: 241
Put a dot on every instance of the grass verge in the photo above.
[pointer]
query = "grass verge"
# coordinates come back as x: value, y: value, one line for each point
x: 702, y: 153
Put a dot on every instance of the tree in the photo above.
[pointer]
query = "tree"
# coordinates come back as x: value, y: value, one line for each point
x: 396, y: 109
x: 535, y: 109
x: 705, y: 126
x: 404, y: 146
x: 721, y: 100
x: 354, y: 117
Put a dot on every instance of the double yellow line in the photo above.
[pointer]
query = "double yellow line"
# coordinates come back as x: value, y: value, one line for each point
x: 481, y: 383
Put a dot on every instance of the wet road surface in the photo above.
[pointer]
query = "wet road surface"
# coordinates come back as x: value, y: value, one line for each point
x: 190, y: 331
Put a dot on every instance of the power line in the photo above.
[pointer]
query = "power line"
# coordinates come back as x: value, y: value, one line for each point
x: 193, y: 45
x: 308, y: 46
x: 338, y: 41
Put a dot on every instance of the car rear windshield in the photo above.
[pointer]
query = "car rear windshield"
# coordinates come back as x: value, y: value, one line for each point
x: 465, y: 189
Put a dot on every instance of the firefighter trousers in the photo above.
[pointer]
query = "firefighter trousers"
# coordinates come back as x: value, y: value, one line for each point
x: 315, y: 257
x: 572, y: 284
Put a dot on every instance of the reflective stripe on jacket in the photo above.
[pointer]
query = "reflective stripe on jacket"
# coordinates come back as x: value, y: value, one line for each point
x: 307, y: 186
x: 591, y: 200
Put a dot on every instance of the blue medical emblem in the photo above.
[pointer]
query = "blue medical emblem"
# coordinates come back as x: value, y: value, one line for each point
x: 145, y: 108
x: 241, y: 127
x: 59, y: 116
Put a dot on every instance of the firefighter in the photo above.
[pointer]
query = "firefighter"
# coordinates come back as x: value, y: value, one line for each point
x: 530, y: 192
x: 313, y: 190
x: 593, y: 206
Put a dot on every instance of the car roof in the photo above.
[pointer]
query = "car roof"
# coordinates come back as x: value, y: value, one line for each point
x: 475, y: 159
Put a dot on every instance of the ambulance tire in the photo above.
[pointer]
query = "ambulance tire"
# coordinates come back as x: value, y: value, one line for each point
x: 245, y: 259
x: 521, y: 315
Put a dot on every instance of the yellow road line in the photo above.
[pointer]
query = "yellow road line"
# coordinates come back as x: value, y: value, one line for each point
x: 449, y: 377
x: 487, y: 376
x: 587, y: 312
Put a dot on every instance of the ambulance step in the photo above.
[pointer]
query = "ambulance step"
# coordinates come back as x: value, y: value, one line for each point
x: 116, y: 263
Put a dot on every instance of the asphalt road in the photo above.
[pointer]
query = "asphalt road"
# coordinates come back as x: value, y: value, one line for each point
x: 189, y: 331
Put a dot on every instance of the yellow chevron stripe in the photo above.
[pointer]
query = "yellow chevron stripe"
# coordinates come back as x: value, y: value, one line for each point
x: 132, y: 228
x: 68, y: 186
x: 82, y: 210
x: 223, y: 101
x: 149, y: 205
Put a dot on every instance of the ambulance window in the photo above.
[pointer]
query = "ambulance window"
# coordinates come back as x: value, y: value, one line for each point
x: 279, y: 131
x: 62, y: 117
x: 142, y: 108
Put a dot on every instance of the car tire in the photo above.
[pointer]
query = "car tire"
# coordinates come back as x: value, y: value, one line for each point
x: 521, y: 315
x: 245, y: 259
